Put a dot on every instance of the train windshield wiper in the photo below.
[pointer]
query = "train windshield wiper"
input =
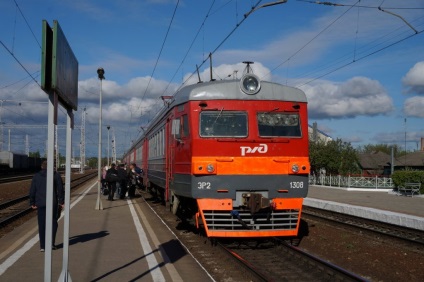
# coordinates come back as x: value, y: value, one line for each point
x: 220, y: 113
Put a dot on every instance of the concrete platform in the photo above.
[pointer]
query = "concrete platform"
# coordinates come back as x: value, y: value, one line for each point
x: 124, y: 242
x: 383, y: 206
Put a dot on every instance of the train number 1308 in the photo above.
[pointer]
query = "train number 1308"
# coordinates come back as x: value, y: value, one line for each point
x: 296, y: 185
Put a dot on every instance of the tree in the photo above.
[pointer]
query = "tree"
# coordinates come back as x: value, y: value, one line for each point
x: 385, y: 148
x: 92, y: 162
x: 34, y: 154
x: 336, y: 157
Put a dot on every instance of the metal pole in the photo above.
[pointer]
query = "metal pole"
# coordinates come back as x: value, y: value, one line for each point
x: 108, y: 158
x: 65, y: 276
x: 99, y: 205
x: 49, y: 189
x: 392, y: 165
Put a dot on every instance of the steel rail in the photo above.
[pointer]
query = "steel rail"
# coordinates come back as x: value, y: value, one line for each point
x: 13, y: 202
x: 330, y: 267
x: 295, y: 258
x: 381, y: 228
x: 245, y: 264
x: 15, y: 178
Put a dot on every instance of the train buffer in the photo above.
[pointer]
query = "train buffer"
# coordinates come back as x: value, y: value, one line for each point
x: 409, y: 188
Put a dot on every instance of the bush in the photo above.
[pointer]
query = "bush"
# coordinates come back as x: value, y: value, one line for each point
x: 401, y: 177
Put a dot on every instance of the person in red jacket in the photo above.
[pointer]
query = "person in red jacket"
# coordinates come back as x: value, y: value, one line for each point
x: 37, y: 200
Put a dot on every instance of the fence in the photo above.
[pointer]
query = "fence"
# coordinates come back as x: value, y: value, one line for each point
x: 352, y: 182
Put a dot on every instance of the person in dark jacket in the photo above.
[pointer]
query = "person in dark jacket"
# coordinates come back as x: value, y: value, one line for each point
x: 37, y: 200
x: 122, y: 173
x: 112, y: 177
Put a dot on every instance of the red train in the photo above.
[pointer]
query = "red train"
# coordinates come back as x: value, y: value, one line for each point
x: 232, y: 154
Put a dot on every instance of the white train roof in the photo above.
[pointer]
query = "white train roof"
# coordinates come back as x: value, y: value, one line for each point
x: 231, y: 90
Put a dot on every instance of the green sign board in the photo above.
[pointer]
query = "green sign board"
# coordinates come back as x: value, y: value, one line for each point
x: 46, y: 57
x: 59, y: 66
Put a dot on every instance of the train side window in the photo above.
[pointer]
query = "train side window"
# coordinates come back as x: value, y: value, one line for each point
x: 185, y: 126
x: 176, y: 124
x: 278, y: 124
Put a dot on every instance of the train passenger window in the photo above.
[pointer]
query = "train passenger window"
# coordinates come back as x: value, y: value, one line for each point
x: 186, y: 128
x: 176, y: 128
x: 223, y: 124
x: 271, y: 124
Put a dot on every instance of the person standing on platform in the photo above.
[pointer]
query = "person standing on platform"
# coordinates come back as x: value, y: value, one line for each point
x: 112, y: 177
x: 122, y: 173
x: 37, y: 200
x: 136, y: 173
x: 105, y: 189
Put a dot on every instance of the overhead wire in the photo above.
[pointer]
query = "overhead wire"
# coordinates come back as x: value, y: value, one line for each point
x: 219, y: 45
x: 157, y: 59
x: 311, y: 40
x: 216, y: 48
x: 191, y: 45
x: 359, y: 6
x: 16, y: 82
x: 29, y: 27
x: 377, y: 45
x: 161, y: 49
x: 17, y: 60
x: 358, y: 59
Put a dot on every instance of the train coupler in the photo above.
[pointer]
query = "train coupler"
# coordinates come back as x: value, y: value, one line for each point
x: 256, y: 202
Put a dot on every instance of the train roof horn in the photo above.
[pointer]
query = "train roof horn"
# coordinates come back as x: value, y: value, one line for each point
x: 248, y: 68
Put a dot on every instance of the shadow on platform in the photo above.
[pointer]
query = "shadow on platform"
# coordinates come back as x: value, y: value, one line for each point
x: 85, y: 238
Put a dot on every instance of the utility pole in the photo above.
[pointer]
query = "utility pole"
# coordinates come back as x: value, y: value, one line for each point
x: 113, y: 146
x: 82, y: 145
x: 26, y: 145
x: 108, y: 158
x: 1, y: 126
x: 56, y: 147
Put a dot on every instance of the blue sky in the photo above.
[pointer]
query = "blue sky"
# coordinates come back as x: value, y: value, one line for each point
x: 361, y: 68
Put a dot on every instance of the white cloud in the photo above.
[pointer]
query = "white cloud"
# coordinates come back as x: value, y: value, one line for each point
x: 353, y: 139
x: 398, y: 137
x: 359, y: 96
x: 414, y: 79
x: 226, y: 71
x: 414, y: 106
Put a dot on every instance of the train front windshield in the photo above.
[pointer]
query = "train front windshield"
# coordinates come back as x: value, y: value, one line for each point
x: 278, y: 124
x: 223, y: 124
x: 234, y: 124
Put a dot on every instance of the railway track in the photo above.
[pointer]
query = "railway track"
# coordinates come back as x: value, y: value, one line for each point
x: 249, y: 260
x: 16, y: 208
x: 276, y: 260
x: 407, y: 235
x: 15, y: 178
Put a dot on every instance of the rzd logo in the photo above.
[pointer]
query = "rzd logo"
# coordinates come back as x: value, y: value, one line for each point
x: 262, y: 149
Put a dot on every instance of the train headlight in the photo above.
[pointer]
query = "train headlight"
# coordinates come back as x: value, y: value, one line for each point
x: 250, y: 84
x: 210, y: 168
x: 295, y: 168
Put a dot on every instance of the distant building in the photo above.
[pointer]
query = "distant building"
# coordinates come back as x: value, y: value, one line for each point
x: 375, y: 163
x: 414, y: 160
x: 317, y: 135
x: 379, y: 163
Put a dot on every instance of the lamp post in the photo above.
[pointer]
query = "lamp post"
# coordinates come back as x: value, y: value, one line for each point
x: 108, y: 127
x: 99, y: 206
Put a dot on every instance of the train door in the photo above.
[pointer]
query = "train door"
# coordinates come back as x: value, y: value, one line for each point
x: 144, y: 162
x: 170, y: 130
